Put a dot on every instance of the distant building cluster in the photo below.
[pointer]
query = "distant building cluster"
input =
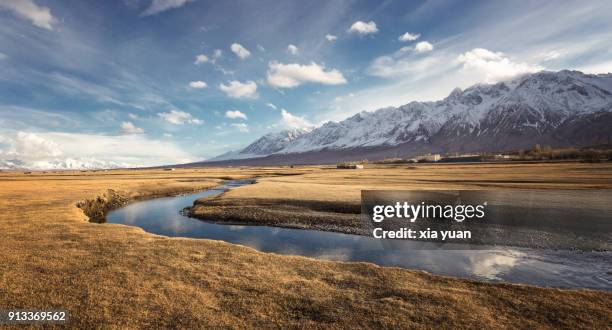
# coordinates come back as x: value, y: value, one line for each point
x: 428, y: 158
x: 349, y: 166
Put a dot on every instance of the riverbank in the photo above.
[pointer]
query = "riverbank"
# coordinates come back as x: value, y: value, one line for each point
x: 121, y: 276
x: 330, y: 199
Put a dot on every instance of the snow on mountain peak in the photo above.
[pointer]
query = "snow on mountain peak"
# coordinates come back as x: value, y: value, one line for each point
x: 531, y: 104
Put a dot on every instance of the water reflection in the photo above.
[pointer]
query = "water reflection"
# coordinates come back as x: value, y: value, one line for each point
x: 539, y: 267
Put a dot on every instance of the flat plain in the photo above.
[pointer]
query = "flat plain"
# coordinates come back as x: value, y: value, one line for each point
x: 330, y: 199
x: 121, y: 276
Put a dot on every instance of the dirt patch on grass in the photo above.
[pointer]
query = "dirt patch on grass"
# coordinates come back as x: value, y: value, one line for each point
x: 97, y: 208
x: 300, y: 214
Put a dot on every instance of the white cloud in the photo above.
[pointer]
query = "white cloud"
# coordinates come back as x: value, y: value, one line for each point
x: 177, y: 117
x: 495, y: 66
x: 363, y: 27
x: 260, y: 48
x: 293, y: 74
x: 158, y: 6
x: 292, y: 49
x: 242, y: 127
x: 294, y: 121
x: 39, y: 16
x: 198, y: 84
x: 423, y: 47
x: 331, y: 38
x: 223, y: 70
x: 65, y: 150
x: 240, y: 51
x: 237, y: 90
x: 168, y: 135
x: 3, y: 56
x: 409, y: 37
x: 134, y: 116
x: 551, y: 55
x: 235, y: 114
x: 597, y: 67
x: 129, y: 128
x: 217, y: 53
x: 201, y: 58
x: 30, y: 146
x: 272, y: 106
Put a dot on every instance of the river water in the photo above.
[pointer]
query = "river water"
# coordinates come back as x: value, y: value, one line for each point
x: 565, y: 269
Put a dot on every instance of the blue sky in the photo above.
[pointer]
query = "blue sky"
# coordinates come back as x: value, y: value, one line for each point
x: 147, y: 82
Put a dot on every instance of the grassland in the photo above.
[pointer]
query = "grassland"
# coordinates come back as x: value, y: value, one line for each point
x: 120, y: 276
x: 330, y: 199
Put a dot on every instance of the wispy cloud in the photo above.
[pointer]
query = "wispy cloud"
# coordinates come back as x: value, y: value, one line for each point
x: 331, y: 38
x: 128, y: 127
x: 77, y: 87
x: 177, y: 117
x: 158, y: 6
x: 242, y: 127
x: 294, y: 121
x: 27, y: 9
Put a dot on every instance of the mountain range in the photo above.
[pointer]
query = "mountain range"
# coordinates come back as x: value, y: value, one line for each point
x: 564, y: 108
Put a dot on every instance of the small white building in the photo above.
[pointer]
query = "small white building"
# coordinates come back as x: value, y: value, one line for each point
x: 349, y: 166
x: 430, y: 157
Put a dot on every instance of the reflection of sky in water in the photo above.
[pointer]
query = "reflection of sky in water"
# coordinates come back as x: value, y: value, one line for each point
x: 539, y: 267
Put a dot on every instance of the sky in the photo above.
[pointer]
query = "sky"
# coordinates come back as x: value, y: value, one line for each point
x: 151, y: 82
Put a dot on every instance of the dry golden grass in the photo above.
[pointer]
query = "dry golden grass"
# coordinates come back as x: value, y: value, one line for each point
x: 329, y: 199
x: 120, y: 276
x: 345, y: 185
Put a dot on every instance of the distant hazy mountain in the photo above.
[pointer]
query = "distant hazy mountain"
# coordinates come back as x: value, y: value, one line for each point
x: 564, y: 108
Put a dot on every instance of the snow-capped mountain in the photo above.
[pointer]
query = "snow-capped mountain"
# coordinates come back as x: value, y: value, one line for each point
x: 544, y: 107
x: 274, y: 142
x: 265, y: 145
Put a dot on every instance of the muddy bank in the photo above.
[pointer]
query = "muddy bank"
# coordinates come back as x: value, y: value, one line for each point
x: 97, y: 208
x: 346, y: 218
x: 319, y: 215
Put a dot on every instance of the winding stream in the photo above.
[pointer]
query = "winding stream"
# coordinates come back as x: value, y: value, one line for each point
x: 567, y: 269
